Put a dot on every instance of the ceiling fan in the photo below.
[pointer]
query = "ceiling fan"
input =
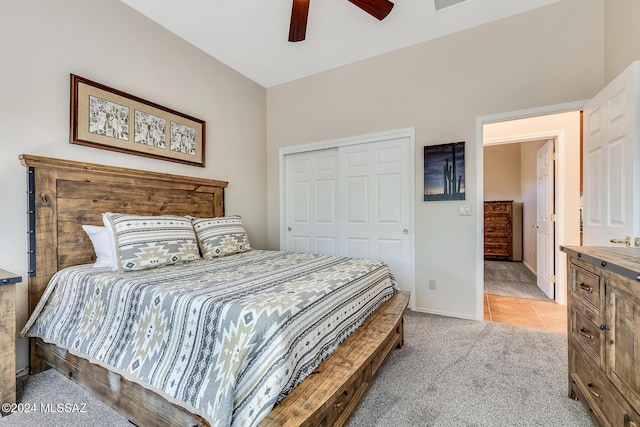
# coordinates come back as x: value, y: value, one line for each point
x: 300, y: 10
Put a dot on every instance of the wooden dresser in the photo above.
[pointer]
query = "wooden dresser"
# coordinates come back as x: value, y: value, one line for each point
x: 604, y: 332
x: 7, y: 338
x: 503, y: 230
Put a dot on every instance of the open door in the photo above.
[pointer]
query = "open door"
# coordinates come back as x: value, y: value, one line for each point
x: 545, y: 219
x: 611, y: 185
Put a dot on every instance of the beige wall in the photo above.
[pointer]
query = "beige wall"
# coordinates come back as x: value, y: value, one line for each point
x: 502, y: 172
x: 440, y: 88
x: 106, y: 41
x: 622, y: 33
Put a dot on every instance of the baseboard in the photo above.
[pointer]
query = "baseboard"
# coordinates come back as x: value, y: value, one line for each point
x: 529, y: 267
x: 444, y: 313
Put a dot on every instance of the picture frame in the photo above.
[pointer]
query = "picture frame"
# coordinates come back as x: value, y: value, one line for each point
x: 444, y: 171
x: 110, y: 119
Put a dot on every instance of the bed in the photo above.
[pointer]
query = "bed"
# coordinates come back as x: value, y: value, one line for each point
x: 64, y: 195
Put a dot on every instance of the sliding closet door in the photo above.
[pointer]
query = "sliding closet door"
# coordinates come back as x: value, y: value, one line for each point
x: 374, y: 203
x: 353, y: 198
x: 311, y: 197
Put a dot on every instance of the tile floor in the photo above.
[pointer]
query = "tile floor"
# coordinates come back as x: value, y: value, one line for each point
x: 545, y: 315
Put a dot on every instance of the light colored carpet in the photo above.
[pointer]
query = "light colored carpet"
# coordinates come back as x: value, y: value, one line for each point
x: 450, y: 372
x: 511, y: 279
x: 49, y: 399
x: 456, y: 372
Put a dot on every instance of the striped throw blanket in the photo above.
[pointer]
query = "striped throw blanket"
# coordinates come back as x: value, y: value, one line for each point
x: 224, y: 338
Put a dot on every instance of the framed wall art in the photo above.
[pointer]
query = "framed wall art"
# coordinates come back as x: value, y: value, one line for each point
x: 103, y: 117
x: 444, y: 172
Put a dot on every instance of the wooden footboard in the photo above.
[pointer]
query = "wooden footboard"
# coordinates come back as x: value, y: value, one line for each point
x: 332, y: 392
x: 327, y: 397
x: 139, y: 405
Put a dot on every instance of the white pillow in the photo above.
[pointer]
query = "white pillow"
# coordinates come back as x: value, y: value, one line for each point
x: 103, y: 246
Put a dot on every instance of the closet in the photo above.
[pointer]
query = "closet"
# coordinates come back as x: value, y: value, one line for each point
x: 352, y: 200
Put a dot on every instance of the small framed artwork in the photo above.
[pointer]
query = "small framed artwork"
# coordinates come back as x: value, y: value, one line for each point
x: 444, y: 172
x: 103, y: 117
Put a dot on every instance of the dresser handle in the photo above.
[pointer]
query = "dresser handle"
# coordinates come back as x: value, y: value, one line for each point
x: 596, y: 394
x: 584, y: 333
x: 585, y: 287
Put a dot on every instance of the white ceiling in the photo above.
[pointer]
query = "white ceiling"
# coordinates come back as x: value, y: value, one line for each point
x: 250, y: 36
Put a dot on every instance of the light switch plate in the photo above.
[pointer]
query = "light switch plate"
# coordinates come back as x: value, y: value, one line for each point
x: 464, y: 209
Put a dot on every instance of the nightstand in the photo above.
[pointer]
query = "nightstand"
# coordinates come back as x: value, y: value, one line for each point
x: 8, y: 336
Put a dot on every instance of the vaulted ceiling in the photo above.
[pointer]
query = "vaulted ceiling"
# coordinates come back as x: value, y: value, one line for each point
x: 251, y: 36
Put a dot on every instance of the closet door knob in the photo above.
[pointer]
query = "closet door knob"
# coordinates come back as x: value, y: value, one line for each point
x: 626, y: 241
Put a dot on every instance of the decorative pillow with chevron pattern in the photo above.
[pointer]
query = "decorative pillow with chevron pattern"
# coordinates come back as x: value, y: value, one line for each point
x: 144, y: 242
x: 221, y: 236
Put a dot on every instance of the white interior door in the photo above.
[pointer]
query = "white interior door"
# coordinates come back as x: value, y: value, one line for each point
x: 545, y: 224
x: 311, y: 202
x: 374, y: 216
x: 611, y: 187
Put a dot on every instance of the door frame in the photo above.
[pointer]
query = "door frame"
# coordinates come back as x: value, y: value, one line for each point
x: 561, y: 272
x: 354, y: 140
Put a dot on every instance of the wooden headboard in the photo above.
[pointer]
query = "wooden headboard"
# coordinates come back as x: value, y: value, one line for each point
x: 64, y: 195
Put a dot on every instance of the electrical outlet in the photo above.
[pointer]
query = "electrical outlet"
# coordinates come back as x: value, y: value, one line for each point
x: 432, y: 284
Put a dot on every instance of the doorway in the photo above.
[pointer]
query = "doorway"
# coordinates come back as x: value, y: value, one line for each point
x: 513, y: 287
x: 530, y: 130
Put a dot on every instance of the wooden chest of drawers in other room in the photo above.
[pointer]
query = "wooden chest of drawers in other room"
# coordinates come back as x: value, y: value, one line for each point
x: 604, y: 332
x: 503, y: 230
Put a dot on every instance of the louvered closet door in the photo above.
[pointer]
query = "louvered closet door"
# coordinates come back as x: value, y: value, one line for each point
x: 311, y: 197
x: 373, y: 203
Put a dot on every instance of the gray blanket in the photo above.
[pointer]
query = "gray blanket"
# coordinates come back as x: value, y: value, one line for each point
x: 225, y: 338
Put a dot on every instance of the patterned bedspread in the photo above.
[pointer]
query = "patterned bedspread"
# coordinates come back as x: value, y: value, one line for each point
x: 226, y: 338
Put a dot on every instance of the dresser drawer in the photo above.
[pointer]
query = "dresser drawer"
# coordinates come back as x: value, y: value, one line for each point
x: 587, y: 335
x: 498, y: 230
x: 499, y: 207
x: 585, y: 287
x: 606, y: 403
x: 496, y: 250
x: 496, y: 239
x: 497, y: 221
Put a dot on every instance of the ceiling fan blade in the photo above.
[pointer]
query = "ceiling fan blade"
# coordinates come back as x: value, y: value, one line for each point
x: 298, y: 26
x: 377, y: 8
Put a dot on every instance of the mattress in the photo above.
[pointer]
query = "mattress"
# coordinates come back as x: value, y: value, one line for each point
x: 225, y: 338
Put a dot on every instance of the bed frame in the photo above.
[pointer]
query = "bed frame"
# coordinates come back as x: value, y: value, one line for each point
x: 63, y: 195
